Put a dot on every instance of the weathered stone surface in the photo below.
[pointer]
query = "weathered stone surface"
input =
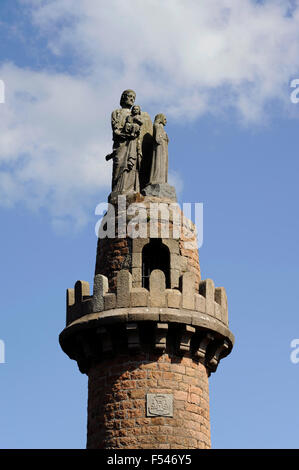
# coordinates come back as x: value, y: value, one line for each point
x: 124, y: 286
x: 139, y: 297
x: 188, y: 281
x: 161, y: 335
x: 70, y: 297
x: 136, y: 260
x: 100, y: 288
x: 207, y: 289
x: 200, y: 303
x: 178, y: 262
x: 161, y: 190
x: 174, y: 278
x: 174, y: 297
x: 186, y: 335
x: 136, y: 276
x: 159, y: 404
x: 138, y: 244
x: 118, y: 316
x: 221, y: 349
x: 159, y: 166
x: 135, y: 315
x: 175, y: 316
x: 221, y: 299
x: 220, y: 295
x: 81, y: 290
x: 157, y: 289
x: 109, y: 301
x: 173, y: 245
x: 202, y: 347
x: 217, y: 311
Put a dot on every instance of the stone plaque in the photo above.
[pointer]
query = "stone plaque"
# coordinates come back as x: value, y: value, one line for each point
x: 159, y: 404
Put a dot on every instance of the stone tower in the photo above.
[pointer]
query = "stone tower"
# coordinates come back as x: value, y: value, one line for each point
x: 152, y: 331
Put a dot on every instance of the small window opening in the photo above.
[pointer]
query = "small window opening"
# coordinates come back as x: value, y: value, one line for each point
x: 155, y: 255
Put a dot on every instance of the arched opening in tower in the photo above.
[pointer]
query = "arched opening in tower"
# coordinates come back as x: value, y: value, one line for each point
x: 155, y: 255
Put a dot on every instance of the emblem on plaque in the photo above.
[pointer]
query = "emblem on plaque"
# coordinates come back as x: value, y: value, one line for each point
x: 159, y: 404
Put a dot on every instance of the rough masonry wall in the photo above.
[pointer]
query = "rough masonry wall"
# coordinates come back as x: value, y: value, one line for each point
x: 113, y: 255
x: 124, y: 252
x: 117, y: 391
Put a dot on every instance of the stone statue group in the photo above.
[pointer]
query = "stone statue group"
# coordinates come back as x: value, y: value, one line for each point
x: 140, y: 150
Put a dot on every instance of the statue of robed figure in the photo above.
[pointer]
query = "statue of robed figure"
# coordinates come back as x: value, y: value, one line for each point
x: 140, y: 151
x: 159, y: 169
x: 131, y: 129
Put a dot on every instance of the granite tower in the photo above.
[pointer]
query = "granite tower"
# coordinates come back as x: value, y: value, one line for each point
x: 152, y: 331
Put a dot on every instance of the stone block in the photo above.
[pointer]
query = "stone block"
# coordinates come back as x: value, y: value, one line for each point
x: 81, y: 290
x: 217, y: 311
x: 220, y: 295
x: 70, y: 297
x: 188, y: 282
x: 220, y: 351
x: 109, y: 301
x: 177, y: 262
x: 137, y: 276
x: 135, y: 315
x: 124, y: 286
x: 72, y: 310
x: 139, y: 297
x: 186, y: 335
x: 161, y: 335
x: 224, y: 315
x: 160, y: 190
x: 157, y: 289
x: 100, y: 288
x: 87, y: 306
x: 174, y: 297
x: 174, y: 278
x: 203, y: 344
x: 221, y: 299
x: 175, y: 316
x: 200, y: 303
x: 138, y: 244
x: 115, y: 317
x: 173, y: 245
x: 136, y: 260
x: 207, y: 289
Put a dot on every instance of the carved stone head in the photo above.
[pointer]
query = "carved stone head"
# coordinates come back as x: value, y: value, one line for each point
x: 136, y: 110
x: 127, y: 98
x: 160, y: 119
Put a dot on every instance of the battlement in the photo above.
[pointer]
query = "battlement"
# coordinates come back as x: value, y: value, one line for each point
x: 207, y: 300
x: 193, y: 321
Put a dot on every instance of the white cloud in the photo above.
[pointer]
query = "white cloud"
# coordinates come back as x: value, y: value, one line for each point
x: 52, y: 142
x: 184, y: 58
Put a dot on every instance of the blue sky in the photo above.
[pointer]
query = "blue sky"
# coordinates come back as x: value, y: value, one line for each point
x: 221, y: 74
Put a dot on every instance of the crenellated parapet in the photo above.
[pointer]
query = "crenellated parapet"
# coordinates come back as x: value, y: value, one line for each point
x: 191, y: 321
x: 207, y: 300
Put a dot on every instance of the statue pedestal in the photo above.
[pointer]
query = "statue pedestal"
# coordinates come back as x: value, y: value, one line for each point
x: 161, y: 190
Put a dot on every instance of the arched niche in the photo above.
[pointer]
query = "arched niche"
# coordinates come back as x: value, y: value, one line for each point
x: 155, y: 255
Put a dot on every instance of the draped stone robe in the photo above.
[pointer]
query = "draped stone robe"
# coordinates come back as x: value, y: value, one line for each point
x: 159, y: 169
